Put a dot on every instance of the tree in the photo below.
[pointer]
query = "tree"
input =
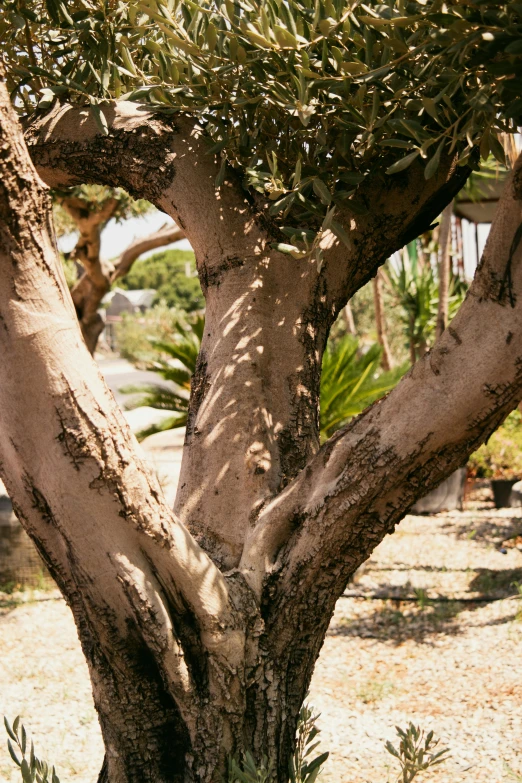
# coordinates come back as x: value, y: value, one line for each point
x: 201, y: 626
x: 380, y: 322
x: 166, y: 272
x: 87, y: 209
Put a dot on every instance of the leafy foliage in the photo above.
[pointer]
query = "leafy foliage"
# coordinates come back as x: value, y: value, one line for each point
x: 351, y: 381
x: 303, y: 769
x: 166, y: 273
x: 175, y: 363
x: 303, y: 97
x: 501, y: 456
x: 415, y: 289
x: 135, y: 332
x: 32, y: 769
x: 416, y: 753
x: 94, y: 198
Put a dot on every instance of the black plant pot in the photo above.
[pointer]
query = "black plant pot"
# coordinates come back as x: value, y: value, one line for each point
x: 502, y: 491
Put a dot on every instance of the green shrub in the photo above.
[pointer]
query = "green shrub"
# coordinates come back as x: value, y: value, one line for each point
x: 351, y: 381
x: 501, y: 456
x: 303, y: 769
x: 136, y: 332
x: 175, y: 361
x: 166, y: 273
x: 416, y: 752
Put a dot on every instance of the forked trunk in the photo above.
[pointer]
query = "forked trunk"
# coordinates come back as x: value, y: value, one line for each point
x: 201, y: 628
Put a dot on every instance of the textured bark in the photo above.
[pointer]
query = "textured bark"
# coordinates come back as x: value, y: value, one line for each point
x: 444, y: 269
x: 201, y: 627
x: 240, y: 448
x: 380, y: 322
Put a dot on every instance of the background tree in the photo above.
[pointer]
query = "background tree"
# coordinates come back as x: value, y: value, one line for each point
x: 380, y: 322
x: 86, y: 209
x: 166, y: 272
x: 444, y: 269
x: 201, y: 627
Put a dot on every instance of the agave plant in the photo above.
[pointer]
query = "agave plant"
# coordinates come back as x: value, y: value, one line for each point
x: 351, y: 380
x: 415, y: 288
x: 175, y: 362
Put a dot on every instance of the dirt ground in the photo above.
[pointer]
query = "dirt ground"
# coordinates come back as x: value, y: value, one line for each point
x: 449, y: 660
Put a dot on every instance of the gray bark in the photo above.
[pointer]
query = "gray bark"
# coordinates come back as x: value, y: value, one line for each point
x: 201, y: 627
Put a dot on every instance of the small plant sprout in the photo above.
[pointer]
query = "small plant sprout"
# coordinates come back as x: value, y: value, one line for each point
x: 416, y: 752
x: 422, y: 598
x: 303, y: 769
x: 32, y: 769
x: 248, y: 771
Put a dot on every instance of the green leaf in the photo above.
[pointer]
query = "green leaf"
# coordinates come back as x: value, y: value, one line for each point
x: 283, y: 247
x: 12, y: 753
x: 341, y: 234
x: 27, y: 776
x: 497, y: 149
x: 221, y: 174
x: 9, y: 730
x: 434, y: 161
x: 514, y: 48
x: 322, y: 191
x: 99, y: 118
x: 431, y: 107
x: 403, y: 163
x: 282, y: 204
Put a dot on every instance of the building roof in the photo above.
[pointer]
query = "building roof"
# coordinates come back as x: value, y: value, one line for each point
x: 141, y: 297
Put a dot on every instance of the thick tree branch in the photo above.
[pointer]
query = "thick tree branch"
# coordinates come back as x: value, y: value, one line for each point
x: 268, y: 315
x: 90, y: 225
x: 362, y: 481
x: 164, y: 236
x: 92, y: 505
x: 398, y: 209
x: 151, y: 156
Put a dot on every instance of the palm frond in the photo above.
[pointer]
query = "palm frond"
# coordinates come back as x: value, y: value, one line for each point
x: 156, y: 396
x: 167, y: 424
x: 351, y: 381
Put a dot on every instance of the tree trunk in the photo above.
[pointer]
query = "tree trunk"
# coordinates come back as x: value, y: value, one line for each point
x: 444, y: 269
x: 350, y: 323
x: 98, y: 276
x: 380, y: 322
x: 94, y: 283
x: 201, y: 628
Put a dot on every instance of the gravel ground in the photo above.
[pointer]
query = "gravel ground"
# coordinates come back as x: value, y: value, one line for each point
x: 445, y: 661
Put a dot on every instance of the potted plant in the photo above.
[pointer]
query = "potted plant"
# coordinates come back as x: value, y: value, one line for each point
x: 500, y: 459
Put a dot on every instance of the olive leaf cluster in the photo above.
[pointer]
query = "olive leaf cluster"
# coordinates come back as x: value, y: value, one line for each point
x: 32, y: 769
x: 305, y: 98
x: 417, y: 752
